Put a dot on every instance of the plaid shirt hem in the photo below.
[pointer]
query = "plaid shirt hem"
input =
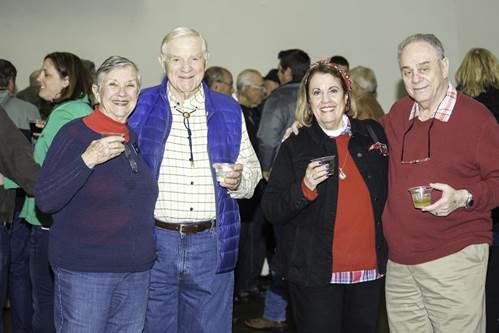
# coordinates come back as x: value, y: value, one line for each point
x: 355, y: 276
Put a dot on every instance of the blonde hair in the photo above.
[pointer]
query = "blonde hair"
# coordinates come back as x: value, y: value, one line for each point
x: 183, y: 32
x: 304, y: 115
x: 365, y: 106
x: 478, y: 71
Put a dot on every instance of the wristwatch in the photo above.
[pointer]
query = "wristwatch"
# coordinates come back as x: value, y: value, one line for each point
x: 469, y: 201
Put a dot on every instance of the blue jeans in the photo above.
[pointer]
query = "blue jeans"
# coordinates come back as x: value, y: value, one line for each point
x: 100, y: 302
x: 14, y: 274
x: 186, y: 295
x: 276, y: 299
x: 42, y: 281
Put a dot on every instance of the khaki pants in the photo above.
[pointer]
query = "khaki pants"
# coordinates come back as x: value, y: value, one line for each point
x: 446, y: 295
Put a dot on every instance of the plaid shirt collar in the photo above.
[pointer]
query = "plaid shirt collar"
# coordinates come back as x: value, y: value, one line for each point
x: 195, y: 100
x: 445, y: 108
x: 348, y: 127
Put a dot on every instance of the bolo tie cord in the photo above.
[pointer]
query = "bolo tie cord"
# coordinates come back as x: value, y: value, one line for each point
x: 189, y: 138
x: 187, y: 126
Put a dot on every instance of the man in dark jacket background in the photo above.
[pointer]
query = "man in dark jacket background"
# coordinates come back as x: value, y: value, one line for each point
x: 16, y: 163
x: 15, y: 231
x: 279, y: 109
x: 277, y: 115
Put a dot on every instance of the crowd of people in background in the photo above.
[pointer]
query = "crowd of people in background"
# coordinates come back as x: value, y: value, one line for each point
x: 130, y: 209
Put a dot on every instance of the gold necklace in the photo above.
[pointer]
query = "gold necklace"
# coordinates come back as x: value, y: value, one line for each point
x: 341, y: 174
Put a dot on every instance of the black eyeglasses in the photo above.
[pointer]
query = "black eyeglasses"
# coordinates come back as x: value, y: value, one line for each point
x: 428, y: 152
x: 133, y: 163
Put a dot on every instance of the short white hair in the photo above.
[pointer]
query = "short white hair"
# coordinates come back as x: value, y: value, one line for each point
x: 364, y: 77
x: 114, y: 62
x: 246, y: 78
x: 419, y: 37
x: 183, y: 32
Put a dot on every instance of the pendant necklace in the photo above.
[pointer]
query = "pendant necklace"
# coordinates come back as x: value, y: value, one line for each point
x: 187, y: 115
x: 341, y: 174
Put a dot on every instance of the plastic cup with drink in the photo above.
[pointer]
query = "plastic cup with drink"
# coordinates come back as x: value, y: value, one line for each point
x: 421, y: 196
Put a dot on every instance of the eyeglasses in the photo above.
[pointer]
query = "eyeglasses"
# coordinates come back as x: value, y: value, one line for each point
x: 428, y: 152
x: 257, y: 87
x: 131, y: 161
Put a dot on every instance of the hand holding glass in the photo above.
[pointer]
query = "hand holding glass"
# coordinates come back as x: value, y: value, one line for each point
x: 329, y: 160
x: 421, y: 196
x: 222, y: 170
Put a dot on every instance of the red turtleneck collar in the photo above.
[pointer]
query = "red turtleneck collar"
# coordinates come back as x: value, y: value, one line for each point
x: 102, y: 124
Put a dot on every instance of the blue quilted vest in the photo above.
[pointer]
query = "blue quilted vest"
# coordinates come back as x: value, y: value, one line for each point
x: 152, y: 121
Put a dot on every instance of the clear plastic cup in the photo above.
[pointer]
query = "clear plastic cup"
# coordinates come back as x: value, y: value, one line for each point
x: 421, y: 196
x: 222, y: 170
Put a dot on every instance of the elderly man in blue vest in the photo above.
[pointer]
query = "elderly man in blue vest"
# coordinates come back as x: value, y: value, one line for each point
x: 184, y: 128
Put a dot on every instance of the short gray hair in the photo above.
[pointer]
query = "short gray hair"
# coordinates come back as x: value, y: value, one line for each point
x: 245, y: 79
x: 427, y: 38
x: 114, y: 62
x: 365, y: 78
x: 215, y: 74
x: 183, y: 32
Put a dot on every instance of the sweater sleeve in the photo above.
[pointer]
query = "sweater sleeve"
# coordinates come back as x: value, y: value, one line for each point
x: 62, y: 175
x: 283, y: 199
x: 252, y: 173
x: 486, y: 192
x: 57, y: 119
x: 269, y: 133
x: 16, y: 160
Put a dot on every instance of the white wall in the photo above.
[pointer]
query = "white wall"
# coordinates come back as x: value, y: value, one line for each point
x: 244, y: 33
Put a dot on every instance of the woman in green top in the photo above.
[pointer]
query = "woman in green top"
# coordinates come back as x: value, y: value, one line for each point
x: 65, y: 83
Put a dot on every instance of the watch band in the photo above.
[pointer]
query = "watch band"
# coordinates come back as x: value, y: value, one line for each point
x: 469, y: 201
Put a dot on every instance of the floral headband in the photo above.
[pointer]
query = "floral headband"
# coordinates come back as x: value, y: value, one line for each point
x: 327, y: 62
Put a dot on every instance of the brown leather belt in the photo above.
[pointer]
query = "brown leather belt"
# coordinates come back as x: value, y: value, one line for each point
x: 186, y: 228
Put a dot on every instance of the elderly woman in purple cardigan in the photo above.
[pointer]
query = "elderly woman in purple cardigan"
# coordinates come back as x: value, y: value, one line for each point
x: 102, y: 196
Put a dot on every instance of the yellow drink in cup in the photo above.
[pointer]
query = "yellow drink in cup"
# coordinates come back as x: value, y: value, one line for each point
x: 421, y: 196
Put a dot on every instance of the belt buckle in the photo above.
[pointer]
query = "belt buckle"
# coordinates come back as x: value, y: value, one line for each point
x: 180, y: 229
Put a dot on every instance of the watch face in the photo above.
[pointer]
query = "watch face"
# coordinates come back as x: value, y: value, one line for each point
x: 469, y: 201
